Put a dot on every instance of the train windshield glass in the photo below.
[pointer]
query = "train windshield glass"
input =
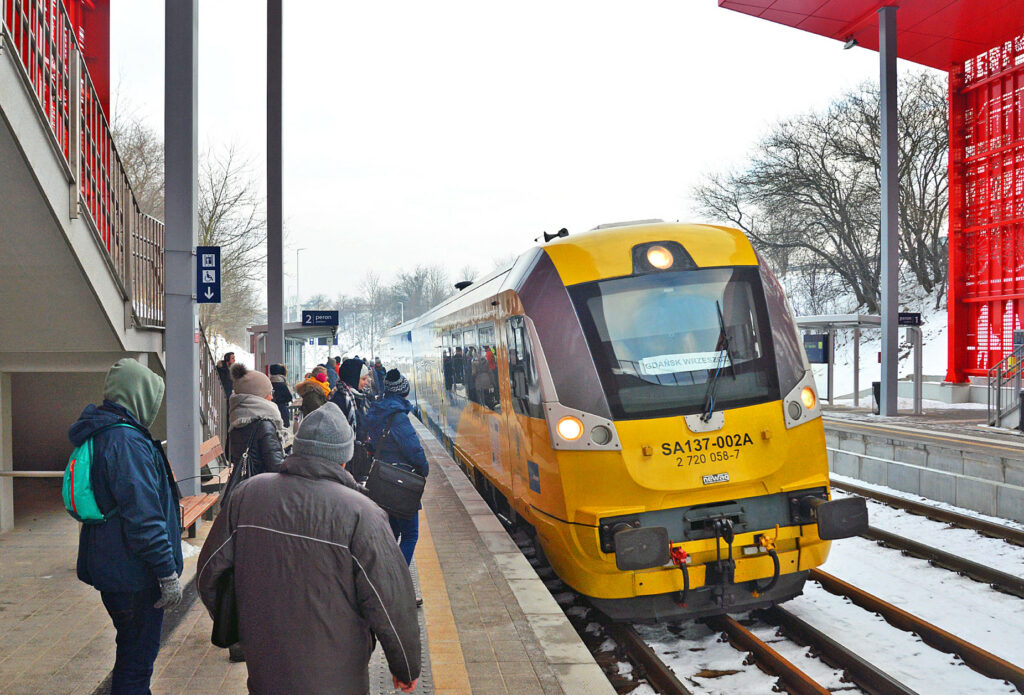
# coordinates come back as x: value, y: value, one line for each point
x: 659, y: 339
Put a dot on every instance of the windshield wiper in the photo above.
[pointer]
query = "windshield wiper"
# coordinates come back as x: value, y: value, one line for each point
x: 723, y: 351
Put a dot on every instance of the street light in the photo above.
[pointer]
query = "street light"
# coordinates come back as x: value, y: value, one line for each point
x: 298, y: 297
x: 401, y: 305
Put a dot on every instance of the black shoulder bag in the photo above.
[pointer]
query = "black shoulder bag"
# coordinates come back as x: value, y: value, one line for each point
x: 245, y: 468
x: 225, y: 612
x: 395, y: 488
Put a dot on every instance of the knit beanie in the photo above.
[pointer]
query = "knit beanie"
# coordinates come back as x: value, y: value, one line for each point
x: 278, y: 369
x: 325, y: 433
x: 352, y: 370
x: 252, y: 383
x: 394, y: 382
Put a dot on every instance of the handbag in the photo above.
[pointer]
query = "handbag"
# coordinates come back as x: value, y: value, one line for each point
x: 243, y: 470
x: 396, y: 489
x: 225, y: 611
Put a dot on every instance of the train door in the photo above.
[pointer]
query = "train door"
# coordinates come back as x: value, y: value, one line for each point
x: 523, y: 404
x: 487, y: 395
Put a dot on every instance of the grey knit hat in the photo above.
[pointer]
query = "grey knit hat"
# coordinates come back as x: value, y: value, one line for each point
x: 394, y: 382
x: 325, y: 433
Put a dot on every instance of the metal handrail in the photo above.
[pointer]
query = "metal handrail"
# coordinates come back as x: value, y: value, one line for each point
x: 40, y: 34
x: 1006, y: 373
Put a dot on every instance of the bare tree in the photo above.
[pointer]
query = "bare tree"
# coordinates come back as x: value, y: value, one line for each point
x: 810, y: 194
x: 142, y: 154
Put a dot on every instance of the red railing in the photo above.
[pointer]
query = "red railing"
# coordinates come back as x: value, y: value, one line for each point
x: 40, y: 33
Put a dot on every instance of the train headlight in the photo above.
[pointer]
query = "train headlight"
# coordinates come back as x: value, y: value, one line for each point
x: 808, y: 397
x: 659, y: 257
x: 601, y: 435
x: 570, y: 428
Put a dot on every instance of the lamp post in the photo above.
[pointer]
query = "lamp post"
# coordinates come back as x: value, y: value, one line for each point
x: 298, y: 297
x: 401, y: 306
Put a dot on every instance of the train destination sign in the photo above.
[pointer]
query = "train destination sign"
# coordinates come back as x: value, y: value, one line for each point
x: 319, y: 318
x: 208, y: 274
x: 909, y: 318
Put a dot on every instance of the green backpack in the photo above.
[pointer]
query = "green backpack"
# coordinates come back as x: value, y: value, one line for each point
x: 79, y: 498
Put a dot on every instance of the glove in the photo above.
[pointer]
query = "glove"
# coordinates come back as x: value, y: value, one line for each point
x: 170, y: 592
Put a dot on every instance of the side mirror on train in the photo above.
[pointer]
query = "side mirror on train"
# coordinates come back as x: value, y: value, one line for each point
x: 641, y: 548
x: 839, y: 518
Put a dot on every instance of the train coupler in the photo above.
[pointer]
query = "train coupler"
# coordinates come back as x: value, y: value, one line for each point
x: 680, y: 558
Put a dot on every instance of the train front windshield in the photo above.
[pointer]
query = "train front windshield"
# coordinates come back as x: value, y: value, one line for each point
x: 659, y: 339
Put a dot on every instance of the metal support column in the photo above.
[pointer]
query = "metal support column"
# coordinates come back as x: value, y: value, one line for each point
x: 856, y: 367
x: 6, y: 454
x: 890, y: 195
x: 916, y: 338
x: 181, y: 337
x: 275, y: 244
x: 831, y: 364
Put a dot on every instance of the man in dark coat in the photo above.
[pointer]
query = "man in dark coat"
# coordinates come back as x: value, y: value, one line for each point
x: 317, y: 574
x: 133, y: 558
x: 224, y: 372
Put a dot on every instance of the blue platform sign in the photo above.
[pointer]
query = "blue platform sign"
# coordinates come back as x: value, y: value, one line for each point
x: 208, y: 274
x: 816, y: 345
x: 319, y: 318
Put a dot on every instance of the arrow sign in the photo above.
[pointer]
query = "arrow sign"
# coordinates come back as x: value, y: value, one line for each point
x: 208, y: 274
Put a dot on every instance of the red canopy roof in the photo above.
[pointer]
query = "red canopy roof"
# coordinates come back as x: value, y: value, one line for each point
x: 937, y: 33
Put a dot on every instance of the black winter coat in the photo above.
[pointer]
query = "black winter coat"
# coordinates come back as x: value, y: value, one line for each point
x: 266, y: 453
x: 283, y: 398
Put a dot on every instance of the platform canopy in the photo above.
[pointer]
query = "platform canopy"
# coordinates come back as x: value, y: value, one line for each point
x: 936, y: 33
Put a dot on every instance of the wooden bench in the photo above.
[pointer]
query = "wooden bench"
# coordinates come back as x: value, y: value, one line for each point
x: 210, y: 453
x: 194, y: 507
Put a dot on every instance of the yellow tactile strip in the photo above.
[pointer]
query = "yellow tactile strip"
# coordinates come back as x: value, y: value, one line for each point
x: 447, y: 662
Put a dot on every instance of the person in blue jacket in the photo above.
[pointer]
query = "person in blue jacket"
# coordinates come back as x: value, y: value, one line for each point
x: 402, y: 446
x: 134, y: 558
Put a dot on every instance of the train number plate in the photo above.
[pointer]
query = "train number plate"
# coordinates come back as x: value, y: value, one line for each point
x: 712, y: 449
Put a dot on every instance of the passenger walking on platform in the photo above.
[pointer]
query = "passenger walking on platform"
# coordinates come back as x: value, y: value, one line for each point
x: 316, y: 572
x: 255, y: 424
x: 134, y: 558
x: 224, y: 372
x: 283, y: 396
x: 390, y: 416
x: 355, y: 406
x: 378, y: 378
x: 314, y: 390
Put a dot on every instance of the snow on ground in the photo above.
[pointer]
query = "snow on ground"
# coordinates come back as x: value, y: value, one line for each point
x: 906, y: 405
x: 968, y: 544
x: 990, y: 619
x: 219, y: 346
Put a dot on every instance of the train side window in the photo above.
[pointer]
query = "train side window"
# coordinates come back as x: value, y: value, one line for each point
x: 522, y: 369
x: 484, y: 371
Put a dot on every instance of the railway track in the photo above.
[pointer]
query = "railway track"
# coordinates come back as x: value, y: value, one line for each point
x: 1009, y: 534
x: 795, y: 680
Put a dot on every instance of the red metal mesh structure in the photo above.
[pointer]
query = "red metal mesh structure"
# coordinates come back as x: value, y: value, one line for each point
x: 986, y: 208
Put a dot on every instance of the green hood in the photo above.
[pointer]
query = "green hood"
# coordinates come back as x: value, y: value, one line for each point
x: 136, y: 388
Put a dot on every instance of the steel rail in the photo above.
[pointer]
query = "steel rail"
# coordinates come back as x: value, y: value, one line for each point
x: 988, y: 528
x: 657, y: 673
x: 982, y: 661
x: 866, y: 675
x: 798, y: 682
x: 1000, y: 580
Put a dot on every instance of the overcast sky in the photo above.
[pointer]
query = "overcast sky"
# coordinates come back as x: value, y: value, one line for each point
x: 457, y: 131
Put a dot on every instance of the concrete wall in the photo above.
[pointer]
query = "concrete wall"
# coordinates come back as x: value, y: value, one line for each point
x: 6, y: 456
x: 44, y: 407
x: 985, y: 483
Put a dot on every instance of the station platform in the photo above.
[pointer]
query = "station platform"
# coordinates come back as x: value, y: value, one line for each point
x: 947, y: 455
x: 489, y: 624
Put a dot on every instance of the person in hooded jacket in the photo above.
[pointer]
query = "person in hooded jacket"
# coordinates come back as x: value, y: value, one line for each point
x: 255, y: 423
x: 283, y: 396
x: 314, y: 390
x: 331, y: 372
x: 390, y: 415
x: 316, y: 572
x: 134, y: 558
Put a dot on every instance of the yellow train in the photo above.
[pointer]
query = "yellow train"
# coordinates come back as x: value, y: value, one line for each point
x: 639, y: 396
